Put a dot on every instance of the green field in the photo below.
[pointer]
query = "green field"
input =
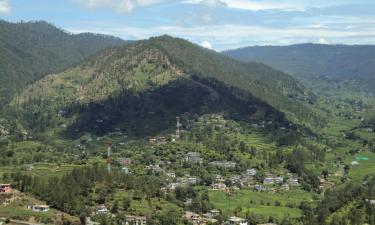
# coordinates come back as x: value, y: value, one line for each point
x: 365, y: 167
x: 143, y: 206
x: 252, y: 201
x: 41, y: 169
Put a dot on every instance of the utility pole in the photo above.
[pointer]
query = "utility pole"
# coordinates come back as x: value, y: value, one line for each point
x: 178, y: 125
x: 109, y: 149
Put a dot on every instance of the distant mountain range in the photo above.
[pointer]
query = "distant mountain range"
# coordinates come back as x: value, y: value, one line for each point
x: 152, y: 81
x: 333, y: 61
x: 29, y: 51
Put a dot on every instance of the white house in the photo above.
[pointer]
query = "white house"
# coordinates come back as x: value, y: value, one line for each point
x: 251, y: 172
x: 102, y: 209
x: 236, y: 221
x: 38, y: 208
x: 125, y: 170
x: 136, y: 220
x: 218, y: 186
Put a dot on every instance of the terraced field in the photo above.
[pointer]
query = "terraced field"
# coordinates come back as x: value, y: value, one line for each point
x: 260, y: 203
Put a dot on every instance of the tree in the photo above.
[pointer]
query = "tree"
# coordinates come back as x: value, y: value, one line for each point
x: 115, y: 207
x: 237, y: 210
x: 126, y: 203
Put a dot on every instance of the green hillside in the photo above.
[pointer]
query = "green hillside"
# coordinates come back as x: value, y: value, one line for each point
x: 29, y: 51
x: 311, y: 60
x: 339, y: 69
x: 173, y: 77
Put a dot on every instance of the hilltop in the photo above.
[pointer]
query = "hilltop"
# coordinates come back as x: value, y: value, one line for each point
x: 31, y: 50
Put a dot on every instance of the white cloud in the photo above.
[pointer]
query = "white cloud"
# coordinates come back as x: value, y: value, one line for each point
x: 251, y: 5
x: 206, y: 44
x: 213, y: 2
x: 262, y: 5
x: 121, y: 6
x: 323, y: 41
x: 5, y: 7
x: 229, y: 36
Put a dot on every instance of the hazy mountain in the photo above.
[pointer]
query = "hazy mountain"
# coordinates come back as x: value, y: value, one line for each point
x: 29, y: 51
x: 155, y: 80
x: 333, y: 61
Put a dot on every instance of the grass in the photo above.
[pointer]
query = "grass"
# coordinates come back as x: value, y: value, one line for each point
x: 42, y: 169
x: 20, y: 212
x: 143, y: 207
x: 252, y: 201
x: 365, y: 167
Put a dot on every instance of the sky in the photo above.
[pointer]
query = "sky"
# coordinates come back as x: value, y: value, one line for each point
x: 217, y: 24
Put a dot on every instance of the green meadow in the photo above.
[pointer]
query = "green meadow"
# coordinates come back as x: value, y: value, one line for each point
x: 261, y: 203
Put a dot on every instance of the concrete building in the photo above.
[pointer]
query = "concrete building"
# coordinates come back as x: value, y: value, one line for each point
x: 38, y: 208
x: 5, y: 188
x: 125, y: 170
x: 102, y: 209
x: 218, y: 186
x: 236, y: 221
x: 124, y: 161
x: 136, y: 220
x: 193, y: 157
x: 223, y: 164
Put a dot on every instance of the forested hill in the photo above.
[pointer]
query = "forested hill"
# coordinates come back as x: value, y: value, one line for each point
x: 314, y: 60
x: 172, y: 75
x: 31, y: 50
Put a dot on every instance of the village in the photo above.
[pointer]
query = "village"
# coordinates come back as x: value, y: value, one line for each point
x: 225, y: 176
x: 250, y: 179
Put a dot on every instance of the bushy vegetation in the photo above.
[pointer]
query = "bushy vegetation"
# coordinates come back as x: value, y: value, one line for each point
x: 29, y: 51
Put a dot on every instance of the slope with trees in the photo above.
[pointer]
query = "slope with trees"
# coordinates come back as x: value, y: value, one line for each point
x: 31, y: 50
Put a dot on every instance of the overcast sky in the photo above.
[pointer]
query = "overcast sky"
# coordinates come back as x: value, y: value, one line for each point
x: 218, y: 24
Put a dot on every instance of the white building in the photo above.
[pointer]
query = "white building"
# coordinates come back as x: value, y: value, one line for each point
x: 38, y: 208
x: 101, y: 210
x: 136, y: 220
x: 251, y: 172
x: 236, y: 221
x: 218, y: 186
x: 125, y: 170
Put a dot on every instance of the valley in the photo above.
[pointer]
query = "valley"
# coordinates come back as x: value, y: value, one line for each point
x: 163, y: 131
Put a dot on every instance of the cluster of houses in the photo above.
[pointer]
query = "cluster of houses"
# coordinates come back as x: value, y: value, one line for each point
x: 180, y: 181
x: 198, y: 219
x: 209, y: 217
x: 130, y: 219
x: 245, y: 180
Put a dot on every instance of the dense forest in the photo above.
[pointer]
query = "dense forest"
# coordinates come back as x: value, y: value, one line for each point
x: 31, y: 50
x: 144, y: 68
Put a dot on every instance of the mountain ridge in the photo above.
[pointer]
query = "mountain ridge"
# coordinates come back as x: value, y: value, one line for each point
x: 152, y: 64
x: 334, y: 61
x: 30, y: 50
